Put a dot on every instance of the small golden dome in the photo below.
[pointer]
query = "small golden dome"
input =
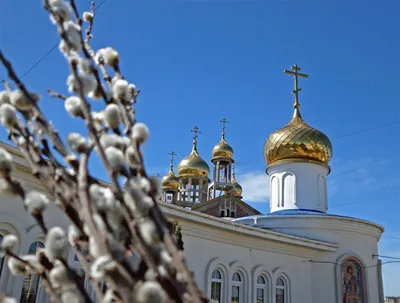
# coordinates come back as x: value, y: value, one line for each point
x: 237, y: 189
x: 170, y: 181
x: 222, y: 150
x: 297, y: 140
x: 193, y: 165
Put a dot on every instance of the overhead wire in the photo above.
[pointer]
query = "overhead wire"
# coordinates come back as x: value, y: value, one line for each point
x: 50, y: 50
x: 335, y: 263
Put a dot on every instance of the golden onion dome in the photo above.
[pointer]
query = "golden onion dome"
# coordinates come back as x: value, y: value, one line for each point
x: 222, y: 150
x: 237, y: 189
x: 170, y: 181
x: 297, y: 140
x: 193, y: 165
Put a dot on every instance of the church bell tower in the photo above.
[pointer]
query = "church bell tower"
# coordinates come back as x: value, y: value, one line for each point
x: 222, y: 159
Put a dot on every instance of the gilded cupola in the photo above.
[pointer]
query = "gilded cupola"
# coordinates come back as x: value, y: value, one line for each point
x: 193, y: 165
x: 237, y: 188
x: 297, y: 139
x: 170, y: 181
x: 222, y: 150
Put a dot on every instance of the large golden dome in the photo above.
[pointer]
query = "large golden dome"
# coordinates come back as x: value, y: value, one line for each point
x: 170, y: 181
x: 297, y: 140
x: 222, y: 150
x: 193, y: 165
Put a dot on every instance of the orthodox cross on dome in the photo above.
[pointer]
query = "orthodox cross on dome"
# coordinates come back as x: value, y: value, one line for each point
x: 172, y: 154
x: 224, y: 122
x: 196, y: 131
x: 296, y: 74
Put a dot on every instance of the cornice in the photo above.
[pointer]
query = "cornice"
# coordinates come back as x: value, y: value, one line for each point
x: 325, y: 222
x: 296, y: 160
x: 207, y: 222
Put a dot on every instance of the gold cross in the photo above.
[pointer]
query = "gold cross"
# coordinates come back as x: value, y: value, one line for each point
x: 172, y: 154
x: 224, y: 122
x: 196, y: 131
x: 296, y: 74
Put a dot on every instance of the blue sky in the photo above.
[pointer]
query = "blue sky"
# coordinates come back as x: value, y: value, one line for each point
x: 199, y: 61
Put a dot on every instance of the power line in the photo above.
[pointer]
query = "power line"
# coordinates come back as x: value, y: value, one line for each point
x: 50, y: 50
x: 386, y: 257
x: 368, y: 129
x: 334, y: 263
x: 366, y: 200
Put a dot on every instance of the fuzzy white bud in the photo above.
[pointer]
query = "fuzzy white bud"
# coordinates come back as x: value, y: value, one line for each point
x: 35, y: 266
x: 5, y: 299
x: 102, y: 197
x: 73, y: 34
x: 9, y: 243
x: 144, y: 184
x: 109, y: 55
x: 73, y: 234
x: 132, y: 156
x: 151, y: 291
x: 60, y: 277
x: 132, y: 90
x: 120, y: 89
x: 140, y: 133
x: 107, y: 140
x: 72, y: 295
x: 16, y: 267
x: 85, y: 66
x: 77, y: 142
x: 4, y: 97
x: 8, y: 115
x: 101, y: 266
x: 6, y: 162
x: 88, y: 83
x: 148, y: 231
x: 35, y: 202
x: 20, y: 100
x: 112, y: 116
x: 56, y: 243
x: 116, y: 159
x: 61, y: 9
x: 7, y: 188
x: 73, y: 105
x: 88, y: 16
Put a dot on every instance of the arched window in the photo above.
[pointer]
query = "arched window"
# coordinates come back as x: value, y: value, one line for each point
x: 216, y: 287
x: 31, y: 282
x: 281, y: 295
x: 237, y: 293
x: 2, y: 258
x: 352, y: 281
x: 289, y: 188
x: 261, y: 290
x: 274, y: 191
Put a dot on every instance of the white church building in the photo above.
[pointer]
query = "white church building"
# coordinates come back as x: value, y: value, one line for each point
x: 297, y: 253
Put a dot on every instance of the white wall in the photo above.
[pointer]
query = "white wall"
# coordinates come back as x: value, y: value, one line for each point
x: 203, y: 256
x: 15, y: 220
x: 355, y: 238
x: 298, y: 185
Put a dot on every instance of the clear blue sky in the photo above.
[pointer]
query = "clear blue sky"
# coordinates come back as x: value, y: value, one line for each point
x: 199, y: 61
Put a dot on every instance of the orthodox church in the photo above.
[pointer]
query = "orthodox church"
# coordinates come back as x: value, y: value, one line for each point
x: 193, y: 190
x: 297, y: 253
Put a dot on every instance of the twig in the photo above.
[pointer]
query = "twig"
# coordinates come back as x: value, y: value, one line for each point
x: 56, y: 95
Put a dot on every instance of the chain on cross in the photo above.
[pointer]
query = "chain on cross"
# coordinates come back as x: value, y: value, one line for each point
x: 196, y: 131
x: 172, y: 154
x: 296, y: 74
